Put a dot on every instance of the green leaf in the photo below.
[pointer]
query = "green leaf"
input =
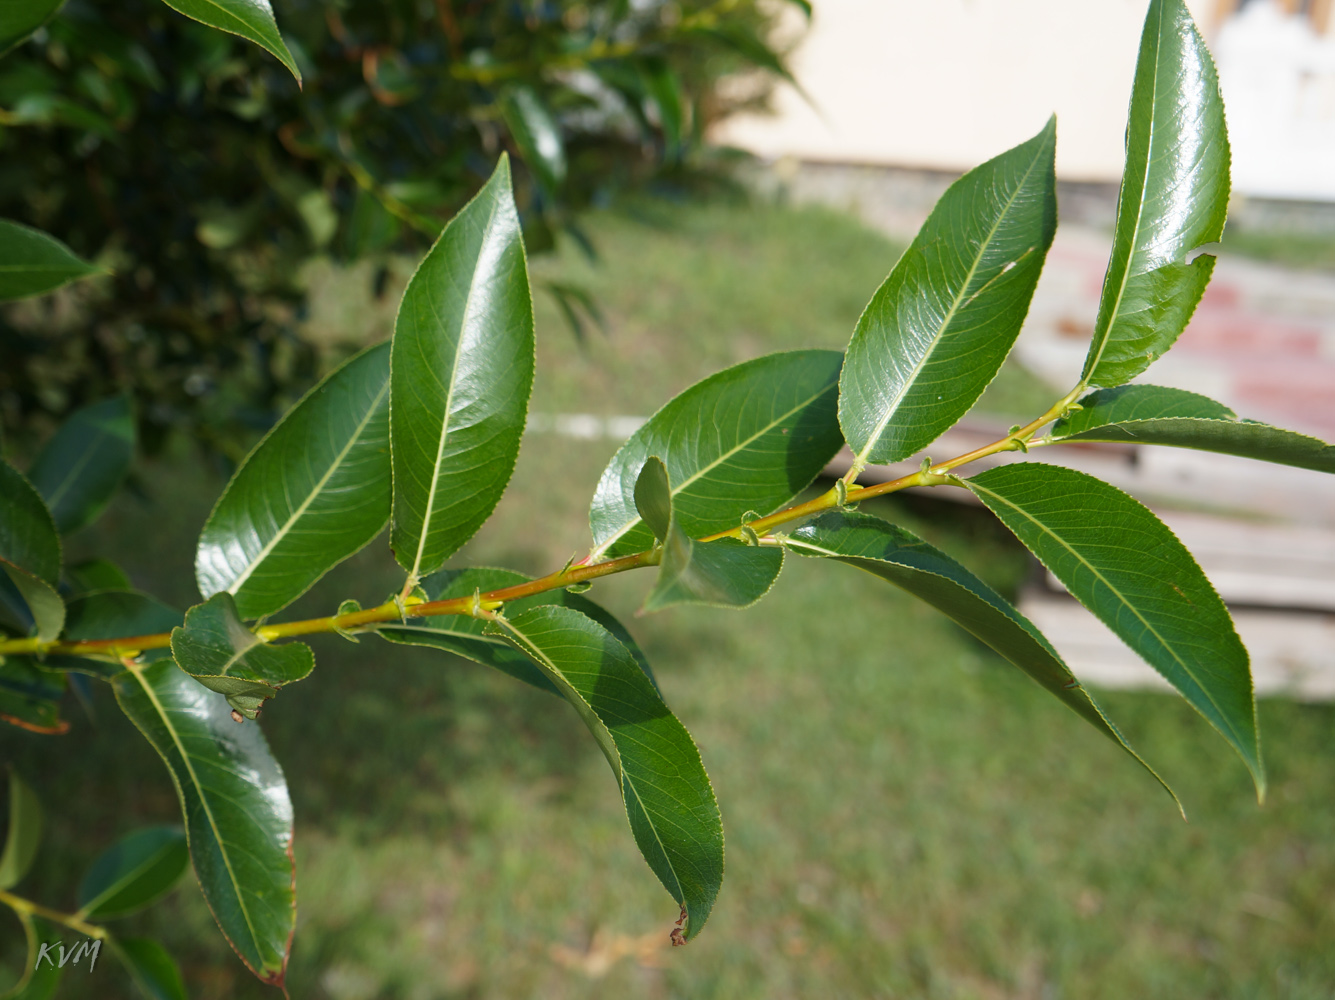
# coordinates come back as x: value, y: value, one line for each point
x: 238, y: 815
x: 40, y: 976
x: 653, y: 497
x: 902, y: 558
x: 43, y: 602
x: 152, y: 969
x: 725, y: 573
x: 32, y: 263
x: 313, y: 492
x: 215, y: 648
x: 936, y: 332
x: 30, y: 696
x: 83, y: 464
x: 667, y: 794
x: 663, y: 85
x: 1173, y: 200
x: 20, y: 18
x: 23, y: 832
x: 750, y: 437
x: 461, y: 370
x: 137, y: 870
x: 1149, y: 414
x: 1129, y: 569
x: 537, y: 135
x: 113, y: 614
x: 465, y: 636
x: 97, y: 574
x: 28, y: 537
x: 253, y: 20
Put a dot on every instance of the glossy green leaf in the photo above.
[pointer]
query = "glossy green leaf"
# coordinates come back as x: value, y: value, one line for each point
x: 465, y: 636
x: 97, y: 574
x: 750, y: 437
x: 313, y: 492
x: 85, y: 461
x: 42, y: 601
x: 28, y: 537
x: 137, y: 870
x: 253, y: 20
x: 667, y: 794
x: 41, y: 973
x: 902, y: 558
x: 537, y: 134
x: 30, y: 696
x: 461, y: 371
x: 152, y: 969
x: 653, y: 497
x: 32, y: 263
x: 20, y: 18
x: 215, y: 648
x: 936, y: 332
x: 724, y: 574
x: 238, y: 815
x: 23, y: 832
x: 1173, y: 200
x: 1150, y: 414
x: 1129, y: 569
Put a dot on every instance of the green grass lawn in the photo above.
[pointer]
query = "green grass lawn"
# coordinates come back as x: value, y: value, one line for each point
x: 907, y: 816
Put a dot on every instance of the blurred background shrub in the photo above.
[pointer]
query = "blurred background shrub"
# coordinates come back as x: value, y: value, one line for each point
x: 191, y: 165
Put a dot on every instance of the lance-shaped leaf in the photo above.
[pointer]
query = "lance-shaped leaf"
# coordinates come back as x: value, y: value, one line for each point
x: 1173, y: 200
x: 31, y: 262
x: 668, y: 797
x: 312, y: 493
x: 41, y: 973
x: 238, y: 815
x: 20, y: 18
x: 23, y: 832
x: 902, y: 558
x: 663, y: 85
x: 537, y: 135
x: 1129, y: 569
x: 83, y: 464
x: 152, y: 969
x: 28, y: 537
x: 466, y: 636
x: 30, y: 696
x: 253, y: 20
x: 747, y: 438
x: 137, y: 870
x: 1150, y: 414
x: 461, y: 370
x: 936, y: 332
x: 215, y: 648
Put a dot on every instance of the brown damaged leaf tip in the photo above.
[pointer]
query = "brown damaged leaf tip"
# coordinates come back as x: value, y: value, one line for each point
x: 677, y: 934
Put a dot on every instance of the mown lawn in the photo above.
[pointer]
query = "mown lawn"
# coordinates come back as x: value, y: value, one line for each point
x: 907, y: 815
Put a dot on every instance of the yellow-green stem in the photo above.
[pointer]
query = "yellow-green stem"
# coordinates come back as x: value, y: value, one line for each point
x: 71, y: 920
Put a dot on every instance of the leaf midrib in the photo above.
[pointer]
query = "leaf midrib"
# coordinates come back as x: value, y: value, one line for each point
x: 334, y: 466
x: 950, y: 315
x: 973, y: 485
x: 122, y: 882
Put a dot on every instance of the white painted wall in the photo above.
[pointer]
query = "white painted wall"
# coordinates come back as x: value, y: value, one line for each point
x: 949, y: 83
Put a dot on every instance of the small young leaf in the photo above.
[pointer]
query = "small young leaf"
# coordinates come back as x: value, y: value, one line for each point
x: 1173, y: 200
x: 1149, y: 414
x: 747, y: 438
x: 215, y: 648
x: 902, y: 558
x: 461, y: 369
x: 238, y: 815
x: 30, y: 696
x: 936, y: 332
x: 724, y: 573
x: 251, y: 19
x: 152, y: 969
x: 653, y: 496
x: 537, y: 134
x: 313, y: 492
x: 668, y: 797
x: 1129, y: 569
x: 32, y: 263
x: 465, y: 636
x: 23, y: 832
x: 83, y: 464
x: 137, y: 870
